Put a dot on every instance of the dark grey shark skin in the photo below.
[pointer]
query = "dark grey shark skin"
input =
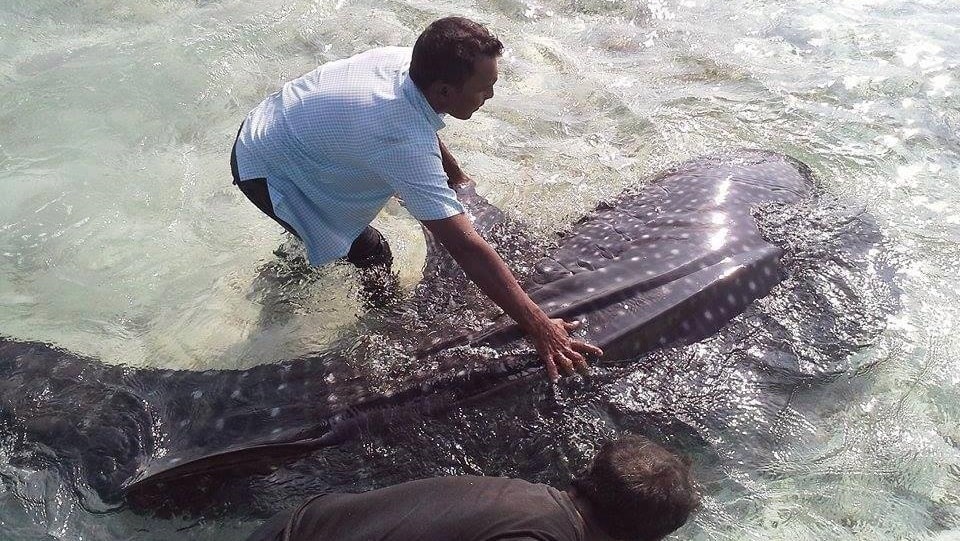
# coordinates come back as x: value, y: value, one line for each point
x: 668, y: 263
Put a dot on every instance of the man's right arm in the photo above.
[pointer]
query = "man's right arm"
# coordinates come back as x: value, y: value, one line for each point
x: 481, y: 263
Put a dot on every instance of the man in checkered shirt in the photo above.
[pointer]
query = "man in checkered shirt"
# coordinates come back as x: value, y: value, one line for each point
x: 323, y: 155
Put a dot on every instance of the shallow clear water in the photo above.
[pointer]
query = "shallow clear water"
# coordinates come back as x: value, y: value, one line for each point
x: 121, y: 237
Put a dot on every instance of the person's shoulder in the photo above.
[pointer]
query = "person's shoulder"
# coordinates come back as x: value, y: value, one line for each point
x: 500, y: 484
x: 470, y: 482
x: 452, y: 480
x: 385, y: 55
x: 536, y: 506
x: 395, y: 50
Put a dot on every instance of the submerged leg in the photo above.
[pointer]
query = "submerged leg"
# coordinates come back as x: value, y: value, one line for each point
x: 371, y: 254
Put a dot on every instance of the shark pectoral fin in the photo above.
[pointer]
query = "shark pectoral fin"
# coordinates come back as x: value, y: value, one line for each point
x: 252, y: 458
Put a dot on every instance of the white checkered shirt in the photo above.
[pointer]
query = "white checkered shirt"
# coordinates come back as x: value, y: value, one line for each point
x: 338, y: 142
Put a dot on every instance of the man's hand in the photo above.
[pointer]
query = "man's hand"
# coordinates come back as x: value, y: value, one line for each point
x: 559, y: 352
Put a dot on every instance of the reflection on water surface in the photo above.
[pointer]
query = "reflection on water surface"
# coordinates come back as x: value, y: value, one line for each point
x: 121, y: 238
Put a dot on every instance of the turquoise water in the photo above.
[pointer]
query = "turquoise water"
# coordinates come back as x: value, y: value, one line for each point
x: 121, y: 237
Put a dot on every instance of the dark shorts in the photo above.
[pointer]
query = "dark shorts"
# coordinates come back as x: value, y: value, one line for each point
x: 369, y: 249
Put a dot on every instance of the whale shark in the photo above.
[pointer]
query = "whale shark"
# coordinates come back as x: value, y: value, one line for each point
x: 667, y: 263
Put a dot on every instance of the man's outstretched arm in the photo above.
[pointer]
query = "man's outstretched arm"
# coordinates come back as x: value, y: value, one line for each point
x: 558, y: 351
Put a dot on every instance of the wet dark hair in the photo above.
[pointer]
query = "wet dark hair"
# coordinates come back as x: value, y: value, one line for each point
x: 638, y: 490
x: 447, y: 49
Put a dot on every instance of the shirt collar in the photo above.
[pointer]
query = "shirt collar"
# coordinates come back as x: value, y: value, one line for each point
x: 419, y: 101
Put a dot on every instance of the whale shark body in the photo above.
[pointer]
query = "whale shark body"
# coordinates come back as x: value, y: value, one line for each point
x: 669, y: 262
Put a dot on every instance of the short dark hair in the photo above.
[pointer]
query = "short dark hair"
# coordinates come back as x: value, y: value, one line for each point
x: 638, y: 490
x: 447, y: 49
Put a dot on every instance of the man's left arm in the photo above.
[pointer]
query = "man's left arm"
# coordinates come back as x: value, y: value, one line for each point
x: 450, y: 166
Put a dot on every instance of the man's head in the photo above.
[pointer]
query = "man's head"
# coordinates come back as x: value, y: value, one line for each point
x: 454, y: 64
x: 637, y: 490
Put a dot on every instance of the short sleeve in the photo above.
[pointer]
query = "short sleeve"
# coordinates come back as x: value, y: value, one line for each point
x: 415, y: 172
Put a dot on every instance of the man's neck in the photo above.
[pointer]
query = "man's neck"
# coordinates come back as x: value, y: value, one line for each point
x: 431, y: 100
x: 591, y: 530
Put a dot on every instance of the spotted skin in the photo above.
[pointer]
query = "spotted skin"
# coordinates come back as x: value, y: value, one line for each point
x: 669, y: 262
x: 672, y: 261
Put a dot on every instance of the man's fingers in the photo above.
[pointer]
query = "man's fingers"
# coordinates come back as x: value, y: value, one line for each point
x: 566, y: 356
x: 579, y: 362
x: 579, y: 346
x: 566, y: 365
x: 572, y: 325
x: 574, y: 357
x: 551, y: 369
x: 584, y: 347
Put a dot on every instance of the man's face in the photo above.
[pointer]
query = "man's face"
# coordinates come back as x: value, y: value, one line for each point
x: 463, y: 102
